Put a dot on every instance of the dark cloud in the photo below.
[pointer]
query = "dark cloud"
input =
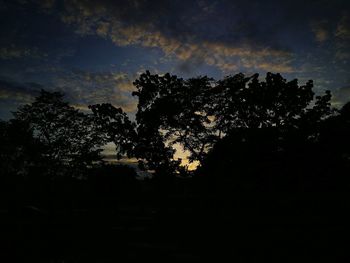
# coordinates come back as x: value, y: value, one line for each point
x: 191, y: 64
x: 19, y: 92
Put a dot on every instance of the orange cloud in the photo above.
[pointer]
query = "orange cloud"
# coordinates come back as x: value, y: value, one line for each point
x: 320, y: 31
x: 94, y: 18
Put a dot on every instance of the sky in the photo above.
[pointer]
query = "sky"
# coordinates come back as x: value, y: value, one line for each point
x: 93, y: 50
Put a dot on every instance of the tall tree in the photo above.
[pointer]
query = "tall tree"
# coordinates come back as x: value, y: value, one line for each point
x: 173, y: 111
x: 71, y: 138
x: 170, y: 111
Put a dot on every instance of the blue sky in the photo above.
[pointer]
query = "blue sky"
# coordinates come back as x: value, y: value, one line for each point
x: 93, y: 50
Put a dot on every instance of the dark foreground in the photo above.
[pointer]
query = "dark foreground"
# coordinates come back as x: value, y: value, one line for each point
x: 183, y: 220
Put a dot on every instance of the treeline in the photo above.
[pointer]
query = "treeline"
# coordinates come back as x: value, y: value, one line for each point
x: 272, y: 174
x: 231, y: 127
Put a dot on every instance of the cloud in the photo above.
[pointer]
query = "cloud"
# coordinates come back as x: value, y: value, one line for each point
x: 81, y: 88
x: 161, y: 24
x: 84, y: 88
x: 343, y: 28
x: 13, y: 95
x: 47, y: 4
x: 103, y: 29
x: 190, y: 64
x: 226, y: 57
x: 15, y: 52
x: 342, y: 35
x: 320, y: 31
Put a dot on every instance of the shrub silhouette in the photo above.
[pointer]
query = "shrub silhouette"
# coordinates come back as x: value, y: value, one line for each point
x: 20, y: 150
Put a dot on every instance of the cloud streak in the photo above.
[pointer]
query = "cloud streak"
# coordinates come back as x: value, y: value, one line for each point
x: 15, y: 52
x: 124, y: 28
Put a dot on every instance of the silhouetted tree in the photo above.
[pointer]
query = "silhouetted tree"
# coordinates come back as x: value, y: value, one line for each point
x: 71, y: 138
x: 272, y: 132
x: 170, y: 111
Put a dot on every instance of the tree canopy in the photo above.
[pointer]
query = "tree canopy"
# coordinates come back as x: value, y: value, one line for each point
x: 199, y: 112
x: 69, y: 137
